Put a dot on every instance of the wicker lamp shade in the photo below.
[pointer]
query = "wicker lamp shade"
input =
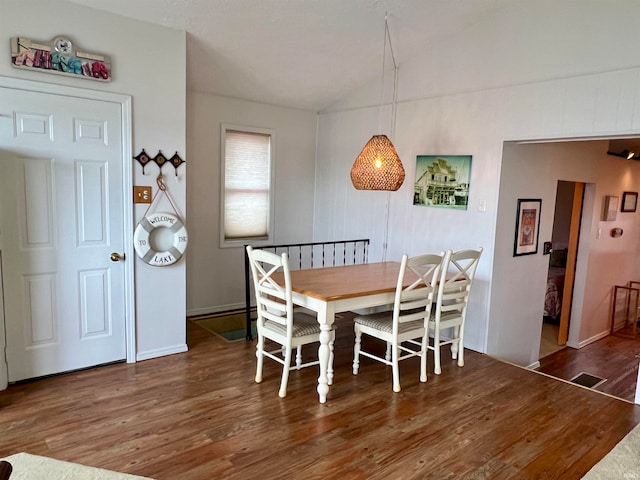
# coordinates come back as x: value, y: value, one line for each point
x: 378, y: 166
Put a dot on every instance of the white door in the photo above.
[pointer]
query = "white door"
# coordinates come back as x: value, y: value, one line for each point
x: 61, y: 217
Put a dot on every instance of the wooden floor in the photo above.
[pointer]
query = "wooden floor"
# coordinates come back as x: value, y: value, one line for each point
x: 199, y: 415
x: 613, y: 358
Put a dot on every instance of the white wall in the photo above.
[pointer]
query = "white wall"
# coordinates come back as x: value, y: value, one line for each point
x: 423, y: 127
x: 149, y: 64
x: 215, y: 276
x: 543, y: 70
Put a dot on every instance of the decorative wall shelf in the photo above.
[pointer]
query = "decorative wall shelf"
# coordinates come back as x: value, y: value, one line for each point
x: 59, y: 56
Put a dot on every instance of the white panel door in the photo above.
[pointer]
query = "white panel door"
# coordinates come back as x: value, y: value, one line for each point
x: 61, y: 216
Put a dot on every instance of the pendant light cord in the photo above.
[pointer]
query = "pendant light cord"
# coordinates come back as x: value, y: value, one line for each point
x: 384, y: 51
x: 387, y: 36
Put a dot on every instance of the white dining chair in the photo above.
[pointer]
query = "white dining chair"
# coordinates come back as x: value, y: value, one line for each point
x: 277, y: 320
x: 450, y: 310
x: 404, y: 329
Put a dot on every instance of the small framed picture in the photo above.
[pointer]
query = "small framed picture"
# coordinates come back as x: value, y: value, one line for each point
x: 610, y: 209
x: 527, y: 226
x: 629, y: 202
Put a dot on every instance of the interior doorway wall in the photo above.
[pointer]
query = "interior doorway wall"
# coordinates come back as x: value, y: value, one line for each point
x: 518, y: 285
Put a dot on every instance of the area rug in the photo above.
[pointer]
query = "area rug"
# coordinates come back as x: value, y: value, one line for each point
x: 34, y: 467
x: 231, y: 326
x: 622, y: 462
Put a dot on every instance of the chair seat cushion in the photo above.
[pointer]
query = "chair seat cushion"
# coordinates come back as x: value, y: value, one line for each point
x: 303, y: 325
x: 454, y: 318
x: 383, y: 321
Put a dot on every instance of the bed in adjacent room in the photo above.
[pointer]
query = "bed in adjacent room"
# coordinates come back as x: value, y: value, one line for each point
x: 555, y: 285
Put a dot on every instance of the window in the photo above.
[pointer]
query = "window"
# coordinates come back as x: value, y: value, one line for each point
x: 247, y: 181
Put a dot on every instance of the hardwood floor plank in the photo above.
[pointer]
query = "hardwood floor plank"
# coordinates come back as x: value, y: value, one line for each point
x: 613, y: 358
x: 200, y: 415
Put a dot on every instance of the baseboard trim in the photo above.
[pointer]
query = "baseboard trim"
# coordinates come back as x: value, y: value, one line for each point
x: 162, y: 352
x: 586, y: 342
x: 194, y: 312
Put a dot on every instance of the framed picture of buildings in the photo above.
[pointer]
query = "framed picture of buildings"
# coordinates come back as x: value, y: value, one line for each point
x: 527, y: 226
x: 442, y: 181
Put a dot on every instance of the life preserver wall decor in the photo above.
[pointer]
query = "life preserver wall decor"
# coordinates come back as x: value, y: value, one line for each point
x: 143, y: 246
x: 151, y: 221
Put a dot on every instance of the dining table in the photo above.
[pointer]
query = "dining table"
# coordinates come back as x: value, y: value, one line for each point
x: 330, y: 290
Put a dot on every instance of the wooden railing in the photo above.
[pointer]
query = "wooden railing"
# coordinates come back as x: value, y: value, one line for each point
x: 309, y: 255
x: 625, y: 324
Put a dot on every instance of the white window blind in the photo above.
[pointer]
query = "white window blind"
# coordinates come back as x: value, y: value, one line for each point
x: 247, y: 185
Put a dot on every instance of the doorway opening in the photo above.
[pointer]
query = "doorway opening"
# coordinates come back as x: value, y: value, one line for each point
x: 561, y: 269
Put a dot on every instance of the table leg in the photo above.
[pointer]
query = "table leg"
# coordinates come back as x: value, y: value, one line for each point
x: 331, y: 356
x: 323, y: 357
x: 325, y: 379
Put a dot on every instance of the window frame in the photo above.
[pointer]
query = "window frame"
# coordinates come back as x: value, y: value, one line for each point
x: 258, y: 241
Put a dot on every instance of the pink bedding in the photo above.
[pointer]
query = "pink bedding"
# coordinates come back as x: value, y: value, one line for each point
x: 553, y: 297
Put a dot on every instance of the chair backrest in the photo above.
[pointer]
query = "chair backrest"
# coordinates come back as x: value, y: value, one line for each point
x: 273, y: 301
x: 456, y: 278
x: 414, y: 301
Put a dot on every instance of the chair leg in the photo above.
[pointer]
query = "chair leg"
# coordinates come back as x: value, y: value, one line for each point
x: 387, y: 355
x: 285, y: 373
x: 299, y: 356
x: 454, y: 345
x: 330, y: 367
x: 423, y: 357
x: 436, y: 352
x: 356, y: 349
x: 260, y: 357
x: 394, y: 368
x: 461, y: 348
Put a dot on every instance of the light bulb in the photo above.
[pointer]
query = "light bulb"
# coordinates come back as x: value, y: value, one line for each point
x: 378, y: 162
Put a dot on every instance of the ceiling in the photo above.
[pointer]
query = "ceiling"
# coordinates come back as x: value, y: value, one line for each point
x: 625, y: 147
x: 304, y: 54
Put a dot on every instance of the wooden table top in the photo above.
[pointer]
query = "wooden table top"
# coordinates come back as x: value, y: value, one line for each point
x: 349, y: 281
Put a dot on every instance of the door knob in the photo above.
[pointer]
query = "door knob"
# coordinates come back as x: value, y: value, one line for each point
x: 116, y: 257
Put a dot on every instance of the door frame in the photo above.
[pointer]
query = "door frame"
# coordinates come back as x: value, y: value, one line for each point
x: 127, y: 205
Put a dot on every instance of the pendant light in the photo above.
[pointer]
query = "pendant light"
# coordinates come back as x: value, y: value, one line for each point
x: 378, y: 167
